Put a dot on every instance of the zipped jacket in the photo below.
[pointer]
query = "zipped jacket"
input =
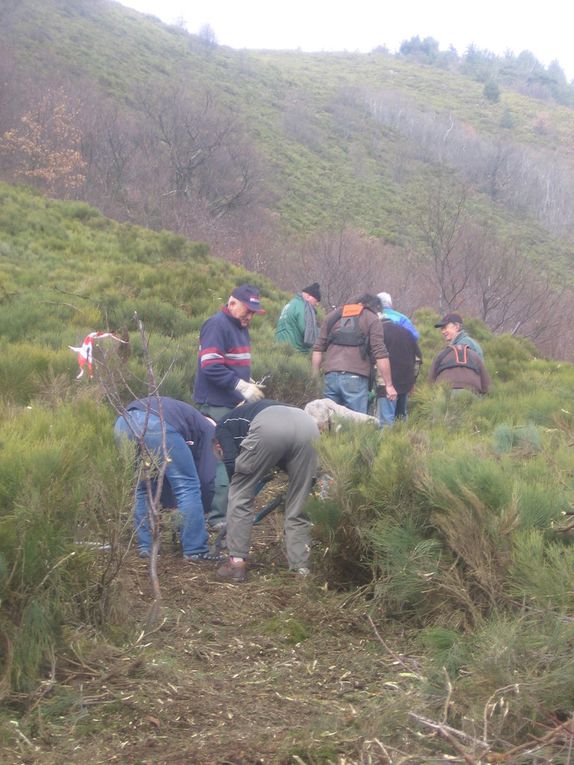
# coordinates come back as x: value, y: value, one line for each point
x: 224, y: 357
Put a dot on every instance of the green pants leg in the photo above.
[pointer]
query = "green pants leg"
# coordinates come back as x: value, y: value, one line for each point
x: 218, y: 512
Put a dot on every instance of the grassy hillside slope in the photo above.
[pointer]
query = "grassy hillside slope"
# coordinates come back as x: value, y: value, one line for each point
x: 332, y: 129
x: 443, y: 556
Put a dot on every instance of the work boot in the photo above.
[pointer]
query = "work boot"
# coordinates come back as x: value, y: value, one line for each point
x: 232, y: 571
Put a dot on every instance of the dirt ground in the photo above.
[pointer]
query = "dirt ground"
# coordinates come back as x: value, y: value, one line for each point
x: 276, y: 670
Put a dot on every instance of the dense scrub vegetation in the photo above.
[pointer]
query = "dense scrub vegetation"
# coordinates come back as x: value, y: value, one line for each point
x: 453, y: 529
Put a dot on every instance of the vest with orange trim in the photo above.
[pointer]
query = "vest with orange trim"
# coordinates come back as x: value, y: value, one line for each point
x: 344, y: 329
x: 456, y: 356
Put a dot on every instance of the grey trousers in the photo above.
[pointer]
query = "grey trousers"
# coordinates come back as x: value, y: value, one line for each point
x: 277, y: 434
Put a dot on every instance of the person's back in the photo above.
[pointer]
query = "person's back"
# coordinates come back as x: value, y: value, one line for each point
x: 405, y: 358
x: 297, y: 323
x: 403, y: 354
x: 461, y: 367
x: 351, y: 341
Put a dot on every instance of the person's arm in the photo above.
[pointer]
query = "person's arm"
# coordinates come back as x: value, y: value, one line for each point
x: 316, y: 358
x: 206, y: 464
x: 228, y: 446
x: 484, y: 379
x: 432, y: 371
x: 379, y: 351
x: 384, y: 369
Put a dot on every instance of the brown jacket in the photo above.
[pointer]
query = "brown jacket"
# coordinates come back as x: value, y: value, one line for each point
x: 347, y: 358
x: 475, y: 379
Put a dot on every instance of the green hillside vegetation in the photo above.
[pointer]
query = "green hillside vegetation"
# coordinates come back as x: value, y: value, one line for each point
x: 450, y: 534
x: 330, y: 140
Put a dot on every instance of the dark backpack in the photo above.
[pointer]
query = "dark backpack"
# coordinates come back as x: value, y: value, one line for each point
x: 456, y: 356
x: 343, y: 328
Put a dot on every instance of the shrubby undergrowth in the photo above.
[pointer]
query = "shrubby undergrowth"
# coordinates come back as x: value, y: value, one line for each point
x: 460, y: 519
x: 456, y: 524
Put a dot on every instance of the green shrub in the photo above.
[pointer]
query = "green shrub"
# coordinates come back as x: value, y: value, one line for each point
x: 62, y: 482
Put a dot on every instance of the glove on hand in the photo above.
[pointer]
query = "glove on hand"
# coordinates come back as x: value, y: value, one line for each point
x: 250, y: 392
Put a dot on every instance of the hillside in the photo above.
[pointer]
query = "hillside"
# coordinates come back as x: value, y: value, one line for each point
x: 289, y: 162
x: 436, y: 623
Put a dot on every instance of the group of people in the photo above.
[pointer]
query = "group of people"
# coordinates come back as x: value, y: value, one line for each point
x: 217, y: 453
x: 367, y: 348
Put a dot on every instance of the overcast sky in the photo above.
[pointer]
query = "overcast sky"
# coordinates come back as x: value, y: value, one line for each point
x: 543, y: 28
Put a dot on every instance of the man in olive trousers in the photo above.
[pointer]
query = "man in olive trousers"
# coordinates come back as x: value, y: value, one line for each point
x: 252, y: 439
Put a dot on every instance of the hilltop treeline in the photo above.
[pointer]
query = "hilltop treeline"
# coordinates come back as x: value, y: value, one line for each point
x: 522, y: 72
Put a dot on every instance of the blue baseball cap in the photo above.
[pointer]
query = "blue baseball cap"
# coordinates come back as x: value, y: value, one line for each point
x: 249, y: 296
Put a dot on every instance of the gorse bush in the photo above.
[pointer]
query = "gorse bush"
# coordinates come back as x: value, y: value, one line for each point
x: 463, y: 517
x: 50, y: 463
x: 455, y: 524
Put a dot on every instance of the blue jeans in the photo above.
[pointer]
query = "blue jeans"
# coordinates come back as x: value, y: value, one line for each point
x: 348, y: 389
x: 389, y: 411
x: 180, y: 473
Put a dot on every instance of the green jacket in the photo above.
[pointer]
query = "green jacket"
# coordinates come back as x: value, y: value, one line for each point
x: 291, y: 325
x: 463, y: 339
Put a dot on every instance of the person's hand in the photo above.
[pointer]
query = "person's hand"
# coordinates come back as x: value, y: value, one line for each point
x: 250, y: 391
x: 391, y: 393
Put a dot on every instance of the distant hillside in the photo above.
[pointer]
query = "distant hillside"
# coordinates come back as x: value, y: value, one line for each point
x: 384, y: 169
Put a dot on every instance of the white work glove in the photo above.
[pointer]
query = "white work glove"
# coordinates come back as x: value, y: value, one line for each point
x: 250, y: 392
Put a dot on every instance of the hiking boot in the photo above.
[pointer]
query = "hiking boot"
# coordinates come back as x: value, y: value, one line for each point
x: 233, y: 572
x: 206, y: 557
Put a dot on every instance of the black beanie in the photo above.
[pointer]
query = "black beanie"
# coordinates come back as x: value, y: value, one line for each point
x: 314, y: 290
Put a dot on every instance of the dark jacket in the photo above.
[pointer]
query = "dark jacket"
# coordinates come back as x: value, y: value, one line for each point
x: 224, y: 356
x: 403, y: 354
x: 194, y: 428
x: 232, y: 429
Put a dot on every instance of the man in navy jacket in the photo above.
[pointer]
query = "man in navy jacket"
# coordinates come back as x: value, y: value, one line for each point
x: 223, y: 378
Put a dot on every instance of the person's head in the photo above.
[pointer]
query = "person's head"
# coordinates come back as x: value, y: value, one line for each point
x: 244, y: 303
x: 369, y: 301
x: 320, y: 411
x: 450, y: 326
x: 385, y: 300
x: 312, y: 293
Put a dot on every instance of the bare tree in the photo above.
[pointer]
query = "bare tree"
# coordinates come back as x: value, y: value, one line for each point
x: 442, y: 225
x: 344, y: 261
x: 152, y: 466
x: 513, y: 296
x: 110, y: 140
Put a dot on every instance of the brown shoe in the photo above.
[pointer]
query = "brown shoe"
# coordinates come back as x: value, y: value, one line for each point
x: 232, y: 572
